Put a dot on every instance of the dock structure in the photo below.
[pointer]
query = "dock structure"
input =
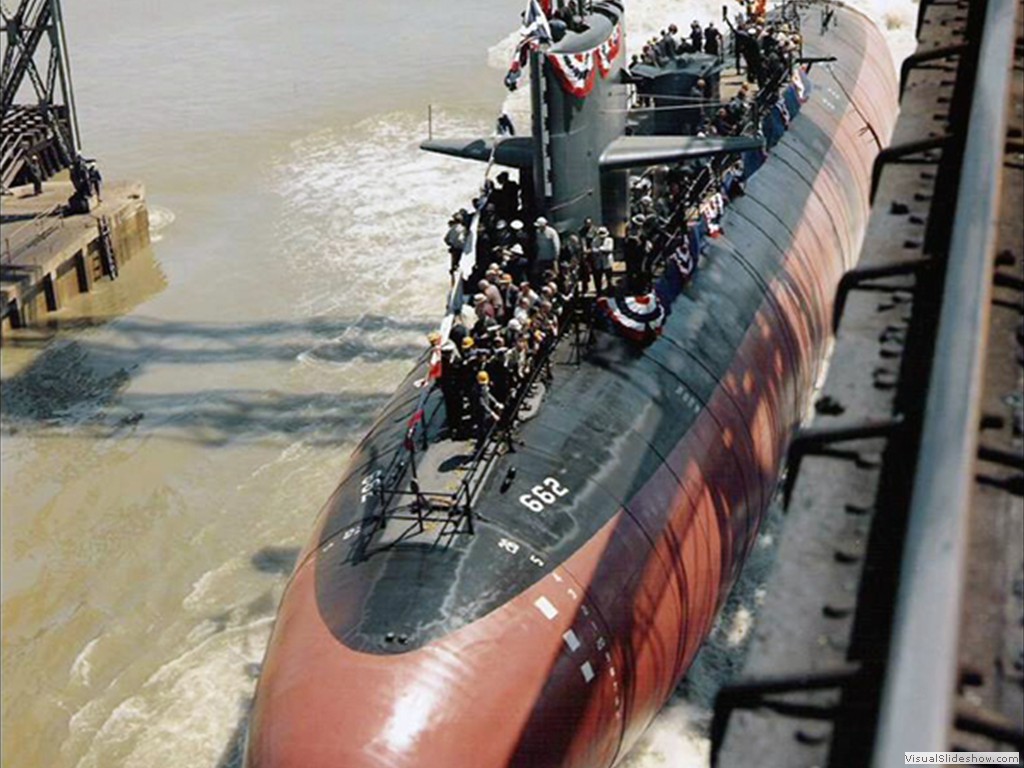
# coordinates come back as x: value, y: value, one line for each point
x: 48, y: 256
x: 37, y: 102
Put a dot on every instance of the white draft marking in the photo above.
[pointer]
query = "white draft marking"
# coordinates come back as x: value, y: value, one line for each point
x: 544, y: 606
x: 571, y: 640
x: 588, y: 671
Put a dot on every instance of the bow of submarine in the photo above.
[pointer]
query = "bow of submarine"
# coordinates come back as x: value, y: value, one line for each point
x: 466, y: 697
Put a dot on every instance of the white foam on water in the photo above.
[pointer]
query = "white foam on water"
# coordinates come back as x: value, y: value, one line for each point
x: 81, y: 667
x: 896, y: 19
x: 369, y: 207
x: 160, y: 217
x: 214, y: 588
x: 293, y: 454
x: 186, y: 712
x: 740, y: 626
x: 674, y: 740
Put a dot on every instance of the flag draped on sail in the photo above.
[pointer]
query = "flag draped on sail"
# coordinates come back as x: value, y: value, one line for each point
x: 535, y: 35
x: 577, y: 71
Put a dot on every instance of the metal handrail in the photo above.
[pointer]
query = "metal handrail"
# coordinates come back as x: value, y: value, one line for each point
x: 41, y: 232
x: 461, y: 498
x: 502, y: 428
x: 917, y: 697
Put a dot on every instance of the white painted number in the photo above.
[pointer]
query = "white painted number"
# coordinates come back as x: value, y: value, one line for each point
x: 369, y: 485
x: 532, y: 504
x: 548, y: 492
x: 509, y: 546
x: 540, y: 493
x: 554, y: 485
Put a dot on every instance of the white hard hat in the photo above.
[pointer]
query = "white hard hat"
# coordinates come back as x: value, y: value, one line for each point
x: 541, y: 220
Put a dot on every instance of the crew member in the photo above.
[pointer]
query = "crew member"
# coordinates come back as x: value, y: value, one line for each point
x: 548, y: 247
x: 604, y: 259
x: 506, y: 197
x: 488, y: 409
x: 696, y: 37
x: 451, y: 387
x: 455, y: 239
x: 713, y: 41
x: 633, y: 250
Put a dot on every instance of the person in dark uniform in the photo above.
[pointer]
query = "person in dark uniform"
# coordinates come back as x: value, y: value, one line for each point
x: 506, y: 197
x: 452, y: 378
x: 713, y: 41
x: 633, y: 250
x: 35, y: 173
x: 455, y: 239
x: 751, y: 52
x: 509, y: 293
x: 95, y: 180
x: 696, y: 37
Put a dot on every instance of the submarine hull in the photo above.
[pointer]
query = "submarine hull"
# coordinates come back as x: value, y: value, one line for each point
x: 552, y: 636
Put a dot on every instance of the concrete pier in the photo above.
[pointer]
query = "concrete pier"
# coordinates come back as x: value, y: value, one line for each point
x: 47, y: 258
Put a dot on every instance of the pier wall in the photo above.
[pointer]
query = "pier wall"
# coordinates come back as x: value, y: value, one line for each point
x: 48, y: 259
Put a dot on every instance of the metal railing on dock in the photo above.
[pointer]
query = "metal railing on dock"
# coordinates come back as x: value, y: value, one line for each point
x: 918, y: 694
x: 32, y: 232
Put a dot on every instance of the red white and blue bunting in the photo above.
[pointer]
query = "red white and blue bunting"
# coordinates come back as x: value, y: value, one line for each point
x: 608, y: 51
x: 639, y: 318
x: 577, y: 71
x: 799, y: 84
x: 712, y: 209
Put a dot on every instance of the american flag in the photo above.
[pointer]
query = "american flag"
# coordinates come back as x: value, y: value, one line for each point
x: 535, y: 34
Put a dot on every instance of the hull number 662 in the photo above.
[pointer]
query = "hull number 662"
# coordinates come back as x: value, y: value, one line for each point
x: 543, y: 495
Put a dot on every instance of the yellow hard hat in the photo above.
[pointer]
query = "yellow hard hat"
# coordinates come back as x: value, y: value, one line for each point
x: 468, y: 342
x: 433, y: 337
x: 483, y: 378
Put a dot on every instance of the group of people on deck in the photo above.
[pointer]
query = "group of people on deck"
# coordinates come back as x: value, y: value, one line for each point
x: 516, y: 293
x: 766, y: 48
x: 494, y: 344
x: 515, y: 301
x: 670, y: 44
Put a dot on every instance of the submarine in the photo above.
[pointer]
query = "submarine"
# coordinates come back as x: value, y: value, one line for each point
x: 532, y: 595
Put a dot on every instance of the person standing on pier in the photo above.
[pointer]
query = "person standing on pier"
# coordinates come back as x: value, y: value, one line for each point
x: 35, y: 173
x: 95, y: 180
